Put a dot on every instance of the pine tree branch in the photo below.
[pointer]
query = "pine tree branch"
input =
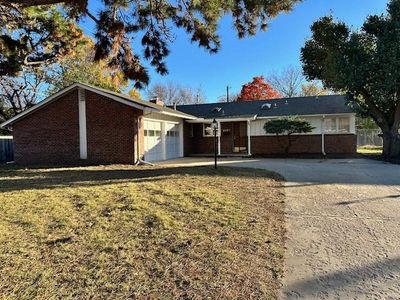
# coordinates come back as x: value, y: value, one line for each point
x: 89, y: 14
x: 27, y: 3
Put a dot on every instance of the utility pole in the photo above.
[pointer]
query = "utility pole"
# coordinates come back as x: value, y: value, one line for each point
x: 227, y: 93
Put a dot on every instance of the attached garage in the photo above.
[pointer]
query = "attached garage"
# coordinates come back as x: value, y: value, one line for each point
x: 172, y: 140
x: 82, y: 123
x: 163, y: 137
x: 152, y: 141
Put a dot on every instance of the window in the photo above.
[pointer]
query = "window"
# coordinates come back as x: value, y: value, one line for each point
x: 146, y: 133
x: 191, y: 131
x: 172, y: 133
x: 344, y: 125
x: 337, y: 125
x: 207, y: 130
x: 330, y: 125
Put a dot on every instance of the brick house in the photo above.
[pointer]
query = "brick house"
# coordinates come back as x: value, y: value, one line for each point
x: 86, y: 123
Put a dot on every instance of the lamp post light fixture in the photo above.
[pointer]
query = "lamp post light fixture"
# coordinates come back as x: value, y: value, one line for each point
x: 214, y: 126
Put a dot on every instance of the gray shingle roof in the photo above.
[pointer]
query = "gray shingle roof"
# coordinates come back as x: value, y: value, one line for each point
x: 140, y: 101
x: 300, y: 106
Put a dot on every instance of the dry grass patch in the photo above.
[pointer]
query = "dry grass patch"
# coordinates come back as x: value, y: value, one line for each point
x: 122, y: 232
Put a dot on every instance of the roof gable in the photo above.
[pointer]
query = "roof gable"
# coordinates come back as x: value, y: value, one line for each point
x: 136, y: 103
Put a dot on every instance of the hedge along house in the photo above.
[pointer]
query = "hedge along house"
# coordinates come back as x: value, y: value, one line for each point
x: 82, y: 123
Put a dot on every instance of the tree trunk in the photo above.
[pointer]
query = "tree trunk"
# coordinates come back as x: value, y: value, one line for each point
x: 391, y: 145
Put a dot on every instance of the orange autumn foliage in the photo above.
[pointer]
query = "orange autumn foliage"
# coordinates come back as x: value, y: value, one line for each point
x: 258, y: 89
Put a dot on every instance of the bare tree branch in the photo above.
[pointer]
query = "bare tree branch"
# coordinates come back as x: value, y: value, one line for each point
x: 172, y: 93
x: 288, y: 82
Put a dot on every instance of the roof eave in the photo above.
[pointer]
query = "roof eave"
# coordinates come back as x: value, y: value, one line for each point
x: 224, y: 119
x: 129, y: 102
x: 306, y: 115
x: 39, y: 105
x: 178, y: 114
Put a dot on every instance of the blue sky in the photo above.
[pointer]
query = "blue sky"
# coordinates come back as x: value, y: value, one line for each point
x: 240, y: 60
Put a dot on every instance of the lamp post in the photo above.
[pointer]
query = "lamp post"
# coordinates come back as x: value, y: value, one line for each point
x: 214, y: 126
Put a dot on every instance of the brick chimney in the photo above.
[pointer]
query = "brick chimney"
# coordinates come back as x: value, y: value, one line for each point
x: 157, y: 101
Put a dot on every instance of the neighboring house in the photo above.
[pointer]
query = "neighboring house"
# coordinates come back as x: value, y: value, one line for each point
x: 83, y: 122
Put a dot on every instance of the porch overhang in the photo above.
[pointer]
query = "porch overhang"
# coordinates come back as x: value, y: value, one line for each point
x: 222, y: 119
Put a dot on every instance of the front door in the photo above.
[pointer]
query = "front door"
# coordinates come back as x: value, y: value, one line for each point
x: 239, y: 137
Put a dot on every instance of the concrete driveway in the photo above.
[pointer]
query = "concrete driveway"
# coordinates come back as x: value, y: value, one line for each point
x: 343, y: 226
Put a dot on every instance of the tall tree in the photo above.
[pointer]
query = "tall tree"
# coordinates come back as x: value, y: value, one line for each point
x: 287, y: 82
x: 20, y: 93
x: 233, y: 97
x: 172, y: 93
x: 80, y: 67
x: 118, y: 22
x: 365, y: 64
x: 290, y: 82
x: 258, y: 89
x: 312, y: 88
x: 134, y: 93
x: 33, y: 36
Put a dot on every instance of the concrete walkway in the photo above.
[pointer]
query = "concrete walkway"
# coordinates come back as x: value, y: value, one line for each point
x: 343, y: 221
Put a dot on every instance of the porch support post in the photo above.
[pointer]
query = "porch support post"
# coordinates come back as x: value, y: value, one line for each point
x: 181, y: 140
x: 323, y: 136
x: 219, y: 137
x: 163, y: 141
x: 248, y: 137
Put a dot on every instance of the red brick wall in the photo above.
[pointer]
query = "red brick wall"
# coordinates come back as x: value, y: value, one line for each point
x: 310, y: 144
x: 188, y: 140
x: 111, y: 129
x: 197, y: 144
x: 304, y: 144
x: 341, y: 144
x: 49, y: 135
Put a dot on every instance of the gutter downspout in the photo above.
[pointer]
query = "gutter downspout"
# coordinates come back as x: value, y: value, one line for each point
x: 323, y: 136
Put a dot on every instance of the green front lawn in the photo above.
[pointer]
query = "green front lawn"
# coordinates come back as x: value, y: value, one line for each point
x: 124, y: 232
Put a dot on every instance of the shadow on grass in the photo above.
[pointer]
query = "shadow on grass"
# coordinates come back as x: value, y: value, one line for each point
x: 18, y: 178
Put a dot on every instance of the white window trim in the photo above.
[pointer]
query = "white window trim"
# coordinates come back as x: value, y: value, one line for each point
x: 204, y: 130
x: 219, y: 138
x: 337, y: 131
x: 82, y: 124
x: 248, y: 137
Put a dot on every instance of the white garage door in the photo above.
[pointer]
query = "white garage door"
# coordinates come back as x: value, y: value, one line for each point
x: 153, y: 150
x: 162, y: 140
x: 172, y: 140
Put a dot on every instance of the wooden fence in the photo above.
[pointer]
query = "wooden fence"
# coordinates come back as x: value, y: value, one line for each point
x: 369, y: 137
x: 6, y: 149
